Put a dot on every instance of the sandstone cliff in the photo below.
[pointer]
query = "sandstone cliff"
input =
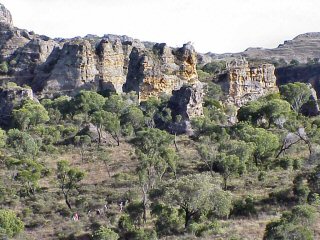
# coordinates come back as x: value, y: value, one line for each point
x: 243, y: 83
x: 114, y: 63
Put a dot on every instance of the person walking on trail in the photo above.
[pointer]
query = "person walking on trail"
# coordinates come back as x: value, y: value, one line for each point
x: 121, y: 206
x: 75, y: 217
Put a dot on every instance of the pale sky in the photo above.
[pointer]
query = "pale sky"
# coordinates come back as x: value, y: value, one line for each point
x: 211, y: 25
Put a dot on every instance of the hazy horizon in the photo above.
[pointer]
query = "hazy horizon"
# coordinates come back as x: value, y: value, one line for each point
x: 211, y: 25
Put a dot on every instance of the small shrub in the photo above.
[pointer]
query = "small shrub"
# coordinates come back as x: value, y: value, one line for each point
x: 300, y: 190
x: 262, y: 176
x: 285, y: 163
x: 314, y: 199
x: 169, y: 222
x: 244, y: 207
x: 204, y: 229
x: 4, y: 67
x: 105, y: 233
x: 281, y: 196
x: 10, y: 224
x: 296, y: 164
x: 293, y: 225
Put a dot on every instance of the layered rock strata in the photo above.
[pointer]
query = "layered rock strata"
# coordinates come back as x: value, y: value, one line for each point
x: 243, y: 83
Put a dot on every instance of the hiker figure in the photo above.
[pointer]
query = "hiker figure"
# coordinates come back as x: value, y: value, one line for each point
x: 121, y: 206
x: 75, y: 217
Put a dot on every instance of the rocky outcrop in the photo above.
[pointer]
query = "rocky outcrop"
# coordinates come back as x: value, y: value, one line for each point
x: 311, y: 108
x: 5, y: 16
x: 243, y: 83
x: 70, y: 68
x: 10, y: 97
x: 113, y: 60
x: 161, y: 70
x: 186, y: 103
x: 114, y: 63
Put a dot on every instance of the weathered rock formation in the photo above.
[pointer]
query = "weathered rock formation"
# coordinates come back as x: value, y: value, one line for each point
x: 5, y: 15
x: 54, y: 67
x: 161, y: 70
x: 10, y: 97
x: 116, y: 63
x: 187, y: 103
x: 243, y: 83
x: 311, y: 108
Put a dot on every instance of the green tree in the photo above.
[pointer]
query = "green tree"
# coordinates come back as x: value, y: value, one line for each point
x: 228, y: 165
x: 107, y: 121
x: 82, y: 142
x: 22, y: 144
x: 208, y: 152
x: 133, y: 116
x: 169, y: 220
x: 30, y: 114
x: 276, y: 109
x: 68, y: 179
x: 105, y: 233
x: 265, y: 143
x: 151, y: 108
x: 296, y: 94
x: 251, y: 112
x: 155, y: 156
x: 239, y: 148
x: 58, y: 107
x: 112, y: 125
x: 213, y: 91
x: 115, y: 104
x: 29, y: 173
x: 196, y: 194
x: 10, y: 224
x: 98, y: 118
x: 296, y: 224
x: 214, y: 67
x: 87, y: 102
x: 314, y: 179
x: 3, y: 138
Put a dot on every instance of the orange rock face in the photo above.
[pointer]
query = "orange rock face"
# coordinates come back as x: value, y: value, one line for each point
x: 249, y: 83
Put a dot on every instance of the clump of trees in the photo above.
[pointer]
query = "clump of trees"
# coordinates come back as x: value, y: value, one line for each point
x: 179, y: 184
x: 296, y: 224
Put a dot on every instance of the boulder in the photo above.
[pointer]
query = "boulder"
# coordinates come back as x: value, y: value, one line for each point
x: 11, y: 97
x: 187, y: 103
x: 311, y: 108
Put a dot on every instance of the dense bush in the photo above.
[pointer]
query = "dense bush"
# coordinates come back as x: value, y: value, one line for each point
x: 244, y: 207
x: 10, y: 224
x: 293, y: 225
x: 105, y: 233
